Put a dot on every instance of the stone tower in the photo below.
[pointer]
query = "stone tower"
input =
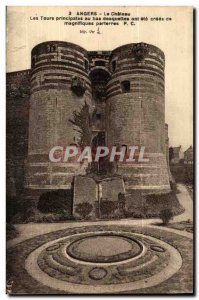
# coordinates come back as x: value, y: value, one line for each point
x: 59, y: 85
x: 125, y: 90
x: 135, y: 109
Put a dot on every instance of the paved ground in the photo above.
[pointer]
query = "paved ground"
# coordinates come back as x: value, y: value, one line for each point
x: 187, y: 202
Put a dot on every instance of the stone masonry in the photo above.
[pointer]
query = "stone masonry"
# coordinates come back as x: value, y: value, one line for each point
x: 125, y: 91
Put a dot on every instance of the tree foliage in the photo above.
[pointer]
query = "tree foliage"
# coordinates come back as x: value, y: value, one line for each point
x: 166, y: 215
x: 171, y: 153
x: 83, y: 120
x: 108, y: 207
x: 55, y: 202
x: 84, y: 209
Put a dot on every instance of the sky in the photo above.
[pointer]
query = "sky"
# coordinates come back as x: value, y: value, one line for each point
x: 173, y: 37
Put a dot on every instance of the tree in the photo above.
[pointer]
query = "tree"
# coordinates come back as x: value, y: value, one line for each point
x: 171, y: 153
x: 57, y: 201
x: 166, y: 215
x: 108, y: 207
x: 84, y: 209
x: 83, y: 120
x: 121, y: 201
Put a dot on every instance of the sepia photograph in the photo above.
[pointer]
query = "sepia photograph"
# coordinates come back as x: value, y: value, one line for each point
x: 99, y: 150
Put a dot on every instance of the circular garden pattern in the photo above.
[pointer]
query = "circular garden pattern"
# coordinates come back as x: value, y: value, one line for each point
x: 103, y: 248
x: 103, y: 259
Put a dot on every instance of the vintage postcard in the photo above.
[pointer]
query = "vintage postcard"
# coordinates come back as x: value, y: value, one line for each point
x: 99, y: 150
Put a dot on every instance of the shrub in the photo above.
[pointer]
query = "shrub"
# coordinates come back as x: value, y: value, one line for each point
x: 11, y: 208
x: 11, y: 231
x: 56, y: 202
x: 166, y: 215
x: 121, y: 201
x: 189, y: 174
x: 84, y: 209
x: 65, y: 215
x: 24, y: 210
x: 107, y: 208
x: 173, y: 186
x: 50, y: 218
x: 181, y: 161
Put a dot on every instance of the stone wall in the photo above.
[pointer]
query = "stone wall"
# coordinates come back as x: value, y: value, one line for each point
x: 102, y: 196
x: 17, y: 122
x: 136, y: 113
x: 86, y: 193
x: 152, y: 175
x: 109, y: 200
x: 111, y: 188
x: 132, y: 112
x: 135, y: 92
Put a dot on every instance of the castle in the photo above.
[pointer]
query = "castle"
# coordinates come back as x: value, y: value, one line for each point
x: 125, y: 88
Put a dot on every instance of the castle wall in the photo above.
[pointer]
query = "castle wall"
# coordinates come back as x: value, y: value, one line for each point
x: 129, y: 103
x: 17, y: 122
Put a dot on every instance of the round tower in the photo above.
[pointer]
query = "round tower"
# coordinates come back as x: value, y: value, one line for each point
x: 59, y: 86
x: 136, y: 112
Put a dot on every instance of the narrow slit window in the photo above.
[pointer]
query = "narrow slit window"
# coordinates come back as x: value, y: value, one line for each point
x: 86, y: 64
x: 114, y: 65
x: 125, y: 86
